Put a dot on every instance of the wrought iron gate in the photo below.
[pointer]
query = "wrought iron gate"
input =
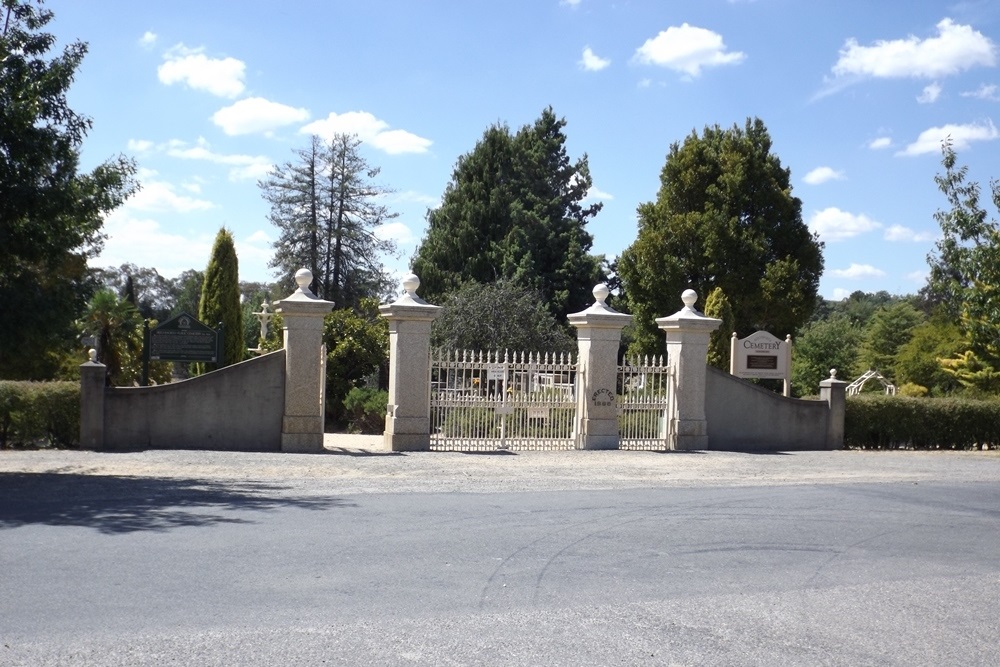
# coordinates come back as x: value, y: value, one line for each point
x: 482, y: 401
x: 645, y: 389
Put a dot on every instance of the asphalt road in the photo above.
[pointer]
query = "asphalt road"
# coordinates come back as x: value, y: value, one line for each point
x: 140, y: 570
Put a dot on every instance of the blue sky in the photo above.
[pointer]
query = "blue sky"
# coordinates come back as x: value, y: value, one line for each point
x: 857, y: 96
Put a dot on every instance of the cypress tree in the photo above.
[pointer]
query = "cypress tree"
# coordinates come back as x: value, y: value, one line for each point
x: 220, y: 297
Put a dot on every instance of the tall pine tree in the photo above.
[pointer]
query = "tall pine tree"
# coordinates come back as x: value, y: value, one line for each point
x: 327, y: 206
x: 515, y: 208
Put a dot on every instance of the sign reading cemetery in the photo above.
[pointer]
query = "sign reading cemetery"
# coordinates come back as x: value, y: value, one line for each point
x: 761, y: 355
x: 183, y: 338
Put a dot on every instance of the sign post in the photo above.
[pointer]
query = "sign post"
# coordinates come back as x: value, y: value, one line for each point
x: 181, y: 338
x: 761, y: 355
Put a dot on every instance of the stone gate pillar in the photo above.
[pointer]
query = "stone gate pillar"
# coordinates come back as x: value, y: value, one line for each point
x: 687, y: 333
x: 93, y: 377
x: 834, y: 392
x: 408, y: 414
x: 598, y: 334
x: 305, y: 367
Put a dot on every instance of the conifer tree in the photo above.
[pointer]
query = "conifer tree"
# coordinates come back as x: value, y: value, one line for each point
x: 220, y: 297
x: 719, y: 342
x: 515, y: 209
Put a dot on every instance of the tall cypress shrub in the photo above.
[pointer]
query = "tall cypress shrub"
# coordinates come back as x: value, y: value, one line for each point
x: 220, y: 297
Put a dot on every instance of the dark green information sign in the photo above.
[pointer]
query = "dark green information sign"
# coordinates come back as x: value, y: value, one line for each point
x: 183, y: 338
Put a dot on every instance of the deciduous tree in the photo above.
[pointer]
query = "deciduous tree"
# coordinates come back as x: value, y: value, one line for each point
x: 51, y: 213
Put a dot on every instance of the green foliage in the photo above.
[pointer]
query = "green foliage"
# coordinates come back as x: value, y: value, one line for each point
x: 890, y: 328
x: 357, y: 346
x: 116, y: 324
x: 822, y: 346
x: 365, y: 409
x: 918, y: 361
x: 965, y: 266
x: 50, y: 213
x: 514, y: 209
x: 327, y: 208
x: 892, y: 422
x: 39, y: 414
x: 978, y: 377
x: 220, y: 297
x: 498, y: 316
x: 719, y: 342
x: 724, y: 217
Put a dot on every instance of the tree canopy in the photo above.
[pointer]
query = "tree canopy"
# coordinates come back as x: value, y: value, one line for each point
x: 220, y: 297
x: 327, y: 208
x: 724, y: 217
x: 516, y: 209
x: 51, y: 213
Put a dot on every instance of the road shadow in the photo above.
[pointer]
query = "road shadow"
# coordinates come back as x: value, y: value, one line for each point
x: 119, y: 504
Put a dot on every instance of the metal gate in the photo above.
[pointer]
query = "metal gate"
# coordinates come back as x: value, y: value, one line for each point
x: 645, y: 389
x: 483, y: 401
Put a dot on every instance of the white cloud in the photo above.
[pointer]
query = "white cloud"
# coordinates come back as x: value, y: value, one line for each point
x: 687, y: 49
x: 256, y: 114
x: 395, y: 231
x: 148, y: 40
x: 822, y: 175
x: 832, y: 224
x: 243, y: 167
x: 917, y: 276
x: 412, y: 196
x: 901, y: 233
x: 369, y: 129
x: 931, y: 93
x: 857, y: 271
x: 961, y: 136
x: 839, y: 293
x: 139, y: 145
x: 956, y: 48
x: 592, y: 62
x: 880, y: 143
x: 219, y: 76
x: 596, y: 193
x: 142, y: 241
x: 645, y: 83
x: 990, y: 93
x: 157, y: 196
x: 395, y: 142
x: 570, y: 3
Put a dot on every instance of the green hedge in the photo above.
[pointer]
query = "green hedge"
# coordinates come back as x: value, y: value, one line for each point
x: 894, y: 422
x: 366, y: 410
x: 39, y: 414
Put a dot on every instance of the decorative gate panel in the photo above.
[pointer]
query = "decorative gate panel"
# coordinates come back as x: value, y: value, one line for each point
x: 482, y: 401
x: 645, y: 389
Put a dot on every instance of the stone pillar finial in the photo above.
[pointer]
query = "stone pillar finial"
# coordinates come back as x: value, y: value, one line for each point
x: 598, y: 334
x: 303, y: 278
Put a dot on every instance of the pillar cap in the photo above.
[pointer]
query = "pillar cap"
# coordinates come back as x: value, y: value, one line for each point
x: 303, y: 298
x: 688, y: 317
x: 599, y: 314
x: 409, y: 306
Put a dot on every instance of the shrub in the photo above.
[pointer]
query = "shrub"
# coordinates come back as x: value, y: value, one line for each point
x: 366, y: 410
x: 39, y: 414
x: 894, y: 422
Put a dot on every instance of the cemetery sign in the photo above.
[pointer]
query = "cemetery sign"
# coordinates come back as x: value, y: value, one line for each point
x: 761, y: 355
x: 182, y: 338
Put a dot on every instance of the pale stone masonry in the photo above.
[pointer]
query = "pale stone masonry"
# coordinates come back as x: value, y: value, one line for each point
x: 598, y: 334
x: 687, y: 333
x: 408, y: 414
x: 305, y: 367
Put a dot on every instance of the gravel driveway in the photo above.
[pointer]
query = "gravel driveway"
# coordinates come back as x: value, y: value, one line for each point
x: 358, y: 464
